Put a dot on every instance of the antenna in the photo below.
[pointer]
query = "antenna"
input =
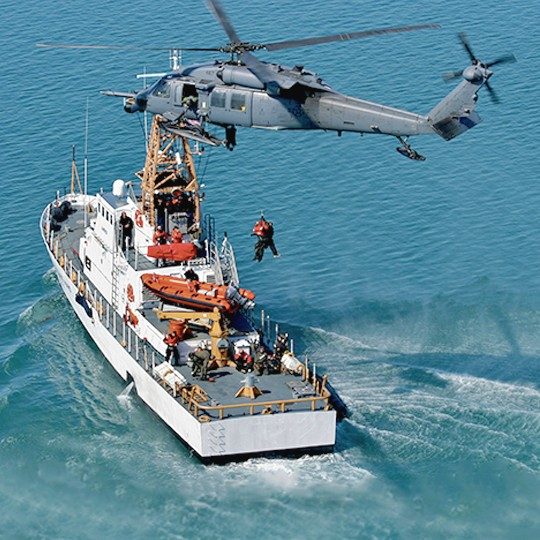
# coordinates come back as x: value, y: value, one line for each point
x: 145, y: 114
x: 175, y: 58
x: 86, y: 166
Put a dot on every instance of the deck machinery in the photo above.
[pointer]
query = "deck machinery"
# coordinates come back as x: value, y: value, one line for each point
x: 233, y: 413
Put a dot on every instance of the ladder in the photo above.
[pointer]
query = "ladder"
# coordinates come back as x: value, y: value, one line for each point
x: 116, y: 257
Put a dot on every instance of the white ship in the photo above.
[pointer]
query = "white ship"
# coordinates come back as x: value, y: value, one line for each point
x: 254, y: 398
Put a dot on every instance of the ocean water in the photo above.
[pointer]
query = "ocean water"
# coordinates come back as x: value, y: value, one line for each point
x: 415, y: 285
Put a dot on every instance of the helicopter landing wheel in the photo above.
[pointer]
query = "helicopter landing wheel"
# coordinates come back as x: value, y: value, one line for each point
x: 406, y: 150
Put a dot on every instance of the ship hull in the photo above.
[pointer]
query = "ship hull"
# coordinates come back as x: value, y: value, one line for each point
x: 231, y: 439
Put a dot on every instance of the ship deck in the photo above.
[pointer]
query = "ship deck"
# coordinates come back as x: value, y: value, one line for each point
x: 281, y: 392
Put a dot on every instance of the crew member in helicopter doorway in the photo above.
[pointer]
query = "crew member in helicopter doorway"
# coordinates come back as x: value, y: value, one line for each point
x: 264, y: 231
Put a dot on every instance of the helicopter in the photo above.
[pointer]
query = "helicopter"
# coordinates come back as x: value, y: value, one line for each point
x: 244, y: 91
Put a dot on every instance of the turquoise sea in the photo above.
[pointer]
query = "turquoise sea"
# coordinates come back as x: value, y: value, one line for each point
x: 416, y: 285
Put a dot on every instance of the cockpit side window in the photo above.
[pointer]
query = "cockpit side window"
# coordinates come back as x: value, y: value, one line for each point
x: 163, y: 89
x: 217, y: 99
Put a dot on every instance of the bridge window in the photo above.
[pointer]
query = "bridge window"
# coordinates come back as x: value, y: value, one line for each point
x: 238, y: 102
x: 218, y: 99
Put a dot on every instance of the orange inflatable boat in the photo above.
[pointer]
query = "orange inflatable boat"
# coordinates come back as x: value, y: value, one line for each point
x: 173, y: 252
x: 198, y: 295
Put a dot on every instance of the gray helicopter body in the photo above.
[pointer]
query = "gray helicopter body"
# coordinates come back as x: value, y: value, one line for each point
x: 248, y: 92
x: 225, y: 94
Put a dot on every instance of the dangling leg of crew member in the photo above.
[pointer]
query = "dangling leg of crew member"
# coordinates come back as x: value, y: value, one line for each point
x: 272, y: 246
x: 260, y: 246
x: 230, y: 137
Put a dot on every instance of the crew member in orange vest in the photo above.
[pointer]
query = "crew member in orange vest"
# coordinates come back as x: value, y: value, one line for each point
x: 176, y: 235
x: 160, y: 236
x: 171, y: 340
x: 264, y: 231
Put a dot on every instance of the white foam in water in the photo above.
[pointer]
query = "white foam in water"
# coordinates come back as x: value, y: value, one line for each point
x: 124, y: 397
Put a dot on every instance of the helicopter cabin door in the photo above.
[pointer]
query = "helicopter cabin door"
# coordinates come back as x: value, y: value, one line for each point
x: 229, y: 106
x: 187, y: 97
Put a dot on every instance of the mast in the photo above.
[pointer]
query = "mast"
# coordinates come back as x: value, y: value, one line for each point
x: 86, y: 166
x: 75, y: 178
x: 169, y: 166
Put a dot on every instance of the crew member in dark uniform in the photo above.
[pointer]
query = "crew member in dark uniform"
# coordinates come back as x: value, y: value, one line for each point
x: 191, y: 274
x: 201, y: 360
x: 160, y: 206
x: 126, y: 229
x: 264, y: 231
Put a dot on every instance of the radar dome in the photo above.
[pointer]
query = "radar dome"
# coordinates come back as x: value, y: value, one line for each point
x: 119, y: 188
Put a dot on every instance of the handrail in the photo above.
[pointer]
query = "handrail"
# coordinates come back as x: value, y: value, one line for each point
x: 213, y: 256
x: 281, y: 403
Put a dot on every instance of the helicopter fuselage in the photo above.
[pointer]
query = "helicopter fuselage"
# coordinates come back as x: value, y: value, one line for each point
x: 227, y: 94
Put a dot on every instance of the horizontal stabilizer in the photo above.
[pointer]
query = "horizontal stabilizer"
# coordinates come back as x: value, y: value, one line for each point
x: 452, y: 126
x: 455, y: 114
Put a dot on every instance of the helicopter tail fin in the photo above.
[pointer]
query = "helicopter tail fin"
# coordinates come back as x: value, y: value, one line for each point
x: 455, y: 113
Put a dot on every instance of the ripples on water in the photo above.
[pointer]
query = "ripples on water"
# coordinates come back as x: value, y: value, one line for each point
x: 415, y: 285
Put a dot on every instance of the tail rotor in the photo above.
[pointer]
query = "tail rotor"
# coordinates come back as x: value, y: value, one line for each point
x: 478, y: 71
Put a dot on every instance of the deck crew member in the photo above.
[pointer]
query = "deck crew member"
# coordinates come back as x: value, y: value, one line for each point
x: 171, y: 340
x: 176, y: 235
x: 160, y: 205
x: 243, y: 361
x: 264, y: 231
x: 281, y: 345
x: 176, y: 201
x: 261, y: 361
x: 160, y: 236
x: 191, y: 274
x: 201, y: 360
x: 126, y: 229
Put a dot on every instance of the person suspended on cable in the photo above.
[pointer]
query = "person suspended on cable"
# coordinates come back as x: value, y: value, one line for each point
x: 264, y: 231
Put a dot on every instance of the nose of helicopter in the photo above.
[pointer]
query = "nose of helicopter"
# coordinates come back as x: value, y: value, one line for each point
x: 137, y: 103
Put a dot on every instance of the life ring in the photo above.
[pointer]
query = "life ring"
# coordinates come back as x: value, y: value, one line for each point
x: 138, y: 218
x: 130, y: 292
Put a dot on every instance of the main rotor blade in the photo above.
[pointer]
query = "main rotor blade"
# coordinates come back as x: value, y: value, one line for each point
x: 258, y: 68
x: 289, y: 44
x: 492, y: 93
x: 466, y: 45
x: 508, y: 59
x: 120, y: 47
x: 219, y: 13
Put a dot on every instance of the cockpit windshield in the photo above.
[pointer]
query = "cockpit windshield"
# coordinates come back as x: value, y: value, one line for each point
x: 162, y: 89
